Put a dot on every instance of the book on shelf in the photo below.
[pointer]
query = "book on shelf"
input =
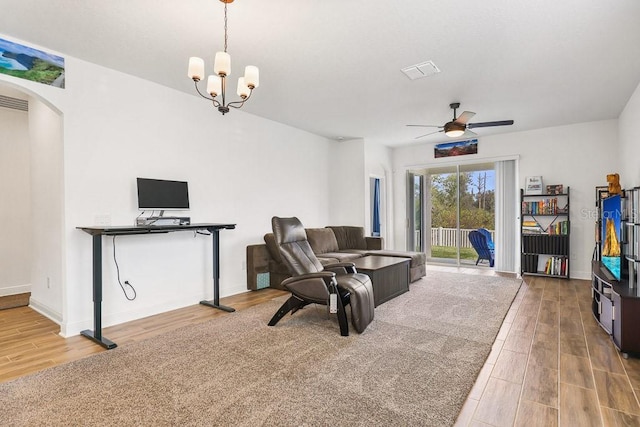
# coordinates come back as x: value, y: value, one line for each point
x: 560, y: 227
x: 556, y: 266
x: 548, y: 206
x: 532, y: 230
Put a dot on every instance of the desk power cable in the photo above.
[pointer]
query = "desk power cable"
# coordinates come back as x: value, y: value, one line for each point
x: 126, y: 282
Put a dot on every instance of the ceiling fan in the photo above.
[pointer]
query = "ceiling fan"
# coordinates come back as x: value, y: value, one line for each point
x: 459, y: 126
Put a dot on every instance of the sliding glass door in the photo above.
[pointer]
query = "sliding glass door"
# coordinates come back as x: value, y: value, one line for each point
x: 448, y: 203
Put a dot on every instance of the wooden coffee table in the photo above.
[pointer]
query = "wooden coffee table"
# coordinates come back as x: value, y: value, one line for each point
x: 389, y: 275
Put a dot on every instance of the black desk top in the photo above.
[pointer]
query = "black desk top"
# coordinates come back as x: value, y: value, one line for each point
x: 116, y: 230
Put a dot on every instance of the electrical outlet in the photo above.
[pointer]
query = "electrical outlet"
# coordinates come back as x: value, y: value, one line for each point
x: 48, y: 282
x: 244, y: 265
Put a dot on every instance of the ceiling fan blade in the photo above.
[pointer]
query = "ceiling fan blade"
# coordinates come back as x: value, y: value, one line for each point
x: 468, y: 133
x: 488, y: 124
x: 425, y: 126
x: 465, y: 117
x: 427, y: 134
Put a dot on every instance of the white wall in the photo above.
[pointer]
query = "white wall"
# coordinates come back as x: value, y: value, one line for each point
x: 46, y: 199
x: 629, y: 142
x: 578, y: 156
x: 15, y: 209
x: 240, y: 168
x: 348, y: 183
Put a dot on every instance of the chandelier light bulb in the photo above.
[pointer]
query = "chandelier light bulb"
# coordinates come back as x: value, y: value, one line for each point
x: 252, y: 76
x: 243, y: 89
x: 196, y: 68
x: 214, y: 86
x: 222, y: 64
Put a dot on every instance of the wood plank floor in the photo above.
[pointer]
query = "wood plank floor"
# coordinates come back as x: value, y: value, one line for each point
x: 551, y: 364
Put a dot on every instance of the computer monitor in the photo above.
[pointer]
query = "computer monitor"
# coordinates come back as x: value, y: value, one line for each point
x: 162, y: 195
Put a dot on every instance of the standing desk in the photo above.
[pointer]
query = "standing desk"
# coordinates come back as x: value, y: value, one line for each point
x: 98, y: 232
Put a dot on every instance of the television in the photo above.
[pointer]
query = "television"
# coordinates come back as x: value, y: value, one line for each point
x: 162, y: 195
x: 611, y: 241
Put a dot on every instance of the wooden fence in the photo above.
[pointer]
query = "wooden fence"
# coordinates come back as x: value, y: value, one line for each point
x: 448, y: 237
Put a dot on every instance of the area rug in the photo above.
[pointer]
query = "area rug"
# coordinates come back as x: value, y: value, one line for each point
x: 414, y: 365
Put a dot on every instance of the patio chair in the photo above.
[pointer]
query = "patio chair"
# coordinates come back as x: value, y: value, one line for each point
x: 480, y: 244
x: 487, y: 234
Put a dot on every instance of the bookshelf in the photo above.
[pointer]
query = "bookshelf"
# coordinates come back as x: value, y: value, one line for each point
x: 545, y: 234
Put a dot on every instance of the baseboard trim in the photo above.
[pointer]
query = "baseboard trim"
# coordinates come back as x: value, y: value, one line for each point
x: 13, y: 301
x: 46, y: 311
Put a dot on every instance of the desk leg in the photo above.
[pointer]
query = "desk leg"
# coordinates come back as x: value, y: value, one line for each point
x: 215, y: 236
x: 96, y: 334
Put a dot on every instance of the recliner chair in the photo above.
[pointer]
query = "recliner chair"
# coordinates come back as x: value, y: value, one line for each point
x: 313, y: 283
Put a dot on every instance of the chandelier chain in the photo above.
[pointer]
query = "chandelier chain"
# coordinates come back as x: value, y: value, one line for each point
x: 225, y: 27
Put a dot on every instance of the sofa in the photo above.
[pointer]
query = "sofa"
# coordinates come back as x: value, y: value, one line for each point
x: 330, y: 245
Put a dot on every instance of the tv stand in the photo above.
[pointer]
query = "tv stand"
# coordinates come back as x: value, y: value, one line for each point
x: 97, y: 233
x: 616, y: 308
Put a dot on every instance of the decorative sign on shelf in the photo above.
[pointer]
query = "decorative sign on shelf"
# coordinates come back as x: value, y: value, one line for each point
x: 533, y: 185
x: 555, y: 189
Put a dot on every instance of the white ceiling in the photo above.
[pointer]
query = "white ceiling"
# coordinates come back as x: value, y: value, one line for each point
x: 333, y: 67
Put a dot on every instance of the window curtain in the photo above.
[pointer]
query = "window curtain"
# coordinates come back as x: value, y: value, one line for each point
x: 506, y: 238
x: 375, y: 224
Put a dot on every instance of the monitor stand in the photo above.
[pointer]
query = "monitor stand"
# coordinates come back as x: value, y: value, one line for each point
x: 162, y: 220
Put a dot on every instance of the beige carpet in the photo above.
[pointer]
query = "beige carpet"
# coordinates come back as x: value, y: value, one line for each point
x: 414, y: 365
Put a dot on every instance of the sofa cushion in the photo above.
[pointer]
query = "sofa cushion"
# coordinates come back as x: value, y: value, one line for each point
x: 342, y: 256
x: 327, y: 261
x: 322, y: 240
x: 349, y: 237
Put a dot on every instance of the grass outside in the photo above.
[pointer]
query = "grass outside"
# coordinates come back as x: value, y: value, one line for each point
x: 451, y: 252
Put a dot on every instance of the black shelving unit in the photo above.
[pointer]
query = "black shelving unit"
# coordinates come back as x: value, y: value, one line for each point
x: 545, y: 243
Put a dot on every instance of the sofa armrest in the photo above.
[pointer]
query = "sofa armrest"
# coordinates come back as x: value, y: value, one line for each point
x: 258, y: 258
x: 374, y: 243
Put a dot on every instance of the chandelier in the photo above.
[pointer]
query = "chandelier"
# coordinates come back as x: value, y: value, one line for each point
x: 217, y: 84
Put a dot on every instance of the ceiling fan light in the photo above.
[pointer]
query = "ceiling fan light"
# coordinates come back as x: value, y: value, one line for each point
x: 454, y: 130
x: 454, y: 133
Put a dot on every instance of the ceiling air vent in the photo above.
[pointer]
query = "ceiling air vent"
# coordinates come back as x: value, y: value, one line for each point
x: 419, y: 71
x: 14, y: 103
